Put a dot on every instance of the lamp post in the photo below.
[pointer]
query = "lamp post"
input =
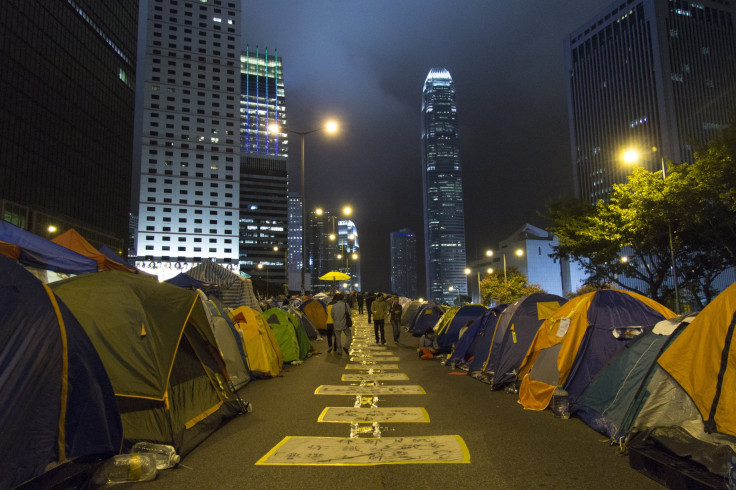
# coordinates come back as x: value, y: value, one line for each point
x: 330, y: 127
x: 631, y: 156
x: 518, y: 252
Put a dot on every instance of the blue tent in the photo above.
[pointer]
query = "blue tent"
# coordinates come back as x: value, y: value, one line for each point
x: 44, y: 254
x: 56, y: 401
x: 463, y: 317
x: 613, y: 399
x: 426, y: 317
x: 110, y: 254
x: 186, y: 281
x: 512, y: 337
x: 476, y: 339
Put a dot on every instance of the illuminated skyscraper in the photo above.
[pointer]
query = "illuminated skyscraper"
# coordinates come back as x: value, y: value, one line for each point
x: 404, y: 263
x: 188, y: 144
x: 444, y: 223
x: 647, y: 74
x: 264, y: 204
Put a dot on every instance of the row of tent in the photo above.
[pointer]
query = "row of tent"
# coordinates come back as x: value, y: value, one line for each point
x: 633, y: 370
x: 91, y: 364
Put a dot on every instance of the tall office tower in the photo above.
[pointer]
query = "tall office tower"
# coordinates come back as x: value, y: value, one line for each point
x: 444, y: 222
x: 66, y: 116
x: 647, y: 74
x: 189, y: 147
x: 404, y: 263
x: 264, y: 211
x: 332, y: 245
x: 294, y: 255
x: 348, y: 257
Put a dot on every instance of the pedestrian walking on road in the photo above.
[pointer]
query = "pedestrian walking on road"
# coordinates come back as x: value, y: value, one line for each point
x: 330, y: 325
x: 395, y: 314
x: 342, y: 320
x: 379, y: 308
x: 369, y: 299
x: 360, y: 300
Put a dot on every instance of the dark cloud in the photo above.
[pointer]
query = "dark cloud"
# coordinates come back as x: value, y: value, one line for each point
x: 364, y: 63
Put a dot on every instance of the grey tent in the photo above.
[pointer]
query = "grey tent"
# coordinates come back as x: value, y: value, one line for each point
x: 234, y: 290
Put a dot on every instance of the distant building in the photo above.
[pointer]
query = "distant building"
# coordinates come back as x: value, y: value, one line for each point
x: 294, y: 255
x: 444, y: 221
x: 264, y: 207
x: 188, y: 144
x: 333, y: 245
x: 404, y: 263
x: 647, y: 74
x: 68, y: 98
x: 528, y: 251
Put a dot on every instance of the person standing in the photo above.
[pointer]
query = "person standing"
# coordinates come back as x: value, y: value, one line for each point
x: 360, y: 299
x: 395, y: 314
x: 370, y: 297
x: 379, y: 309
x: 340, y: 314
x: 330, y: 325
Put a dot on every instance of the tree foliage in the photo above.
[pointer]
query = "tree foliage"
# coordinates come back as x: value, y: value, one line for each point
x: 690, y: 214
x: 494, y: 287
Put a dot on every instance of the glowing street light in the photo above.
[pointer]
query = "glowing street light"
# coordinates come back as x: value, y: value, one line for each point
x: 330, y: 127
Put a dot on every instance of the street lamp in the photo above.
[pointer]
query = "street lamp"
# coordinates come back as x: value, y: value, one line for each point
x: 631, y: 157
x: 330, y: 127
x: 518, y: 252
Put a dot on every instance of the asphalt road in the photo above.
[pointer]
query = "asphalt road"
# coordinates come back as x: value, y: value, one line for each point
x: 509, y: 447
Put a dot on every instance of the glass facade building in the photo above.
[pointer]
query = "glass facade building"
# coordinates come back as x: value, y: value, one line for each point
x: 264, y: 207
x: 444, y: 222
x: 332, y: 245
x: 66, y: 115
x: 647, y: 74
x: 404, y: 263
x: 188, y: 139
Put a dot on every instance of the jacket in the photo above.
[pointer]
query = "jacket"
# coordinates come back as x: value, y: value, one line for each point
x: 379, y: 309
x: 339, y: 311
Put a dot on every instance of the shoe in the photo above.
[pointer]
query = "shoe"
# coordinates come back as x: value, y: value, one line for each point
x: 329, y: 350
x: 346, y: 350
x: 383, y: 341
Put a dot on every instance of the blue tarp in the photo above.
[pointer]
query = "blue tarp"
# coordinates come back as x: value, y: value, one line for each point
x: 32, y: 352
x: 44, y: 254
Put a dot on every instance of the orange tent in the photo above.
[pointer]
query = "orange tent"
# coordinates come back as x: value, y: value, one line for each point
x: 74, y: 241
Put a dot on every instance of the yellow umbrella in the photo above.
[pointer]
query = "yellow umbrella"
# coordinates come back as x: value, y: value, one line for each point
x: 335, y: 276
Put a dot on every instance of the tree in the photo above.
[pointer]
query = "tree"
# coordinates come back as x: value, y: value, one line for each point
x: 493, y: 287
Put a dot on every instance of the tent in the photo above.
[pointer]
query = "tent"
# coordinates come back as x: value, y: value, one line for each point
x: 511, y: 337
x: 229, y: 340
x: 611, y: 401
x: 234, y: 290
x: 265, y: 359
x: 579, y: 338
x: 33, y: 251
x: 692, y: 394
x: 449, y: 333
x: 72, y: 240
x: 159, y: 352
x: 110, y: 254
x: 291, y: 338
x: 316, y: 311
x: 410, y: 311
x: 186, y: 281
x: 426, y: 317
x: 305, y: 323
x: 56, y: 401
x: 475, y: 340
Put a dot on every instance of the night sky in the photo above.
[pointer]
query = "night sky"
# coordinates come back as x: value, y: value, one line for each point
x: 364, y: 63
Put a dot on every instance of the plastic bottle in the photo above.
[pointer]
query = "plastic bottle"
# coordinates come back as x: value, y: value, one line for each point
x: 124, y: 468
x: 165, y: 455
x: 561, y: 403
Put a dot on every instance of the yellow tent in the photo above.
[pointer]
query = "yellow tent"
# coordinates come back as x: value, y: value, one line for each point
x: 579, y: 339
x: 265, y: 358
x: 703, y: 362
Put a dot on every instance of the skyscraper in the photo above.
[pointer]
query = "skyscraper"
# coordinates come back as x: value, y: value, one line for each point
x: 444, y: 222
x: 404, y: 263
x: 66, y: 116
x: 647, y: 74
x: 188, y: 143
x: 263, y: 177
x: 294, y: 255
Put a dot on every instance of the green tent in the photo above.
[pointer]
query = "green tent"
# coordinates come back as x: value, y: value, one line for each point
x: 289, y: 334
x: 159, y: 352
